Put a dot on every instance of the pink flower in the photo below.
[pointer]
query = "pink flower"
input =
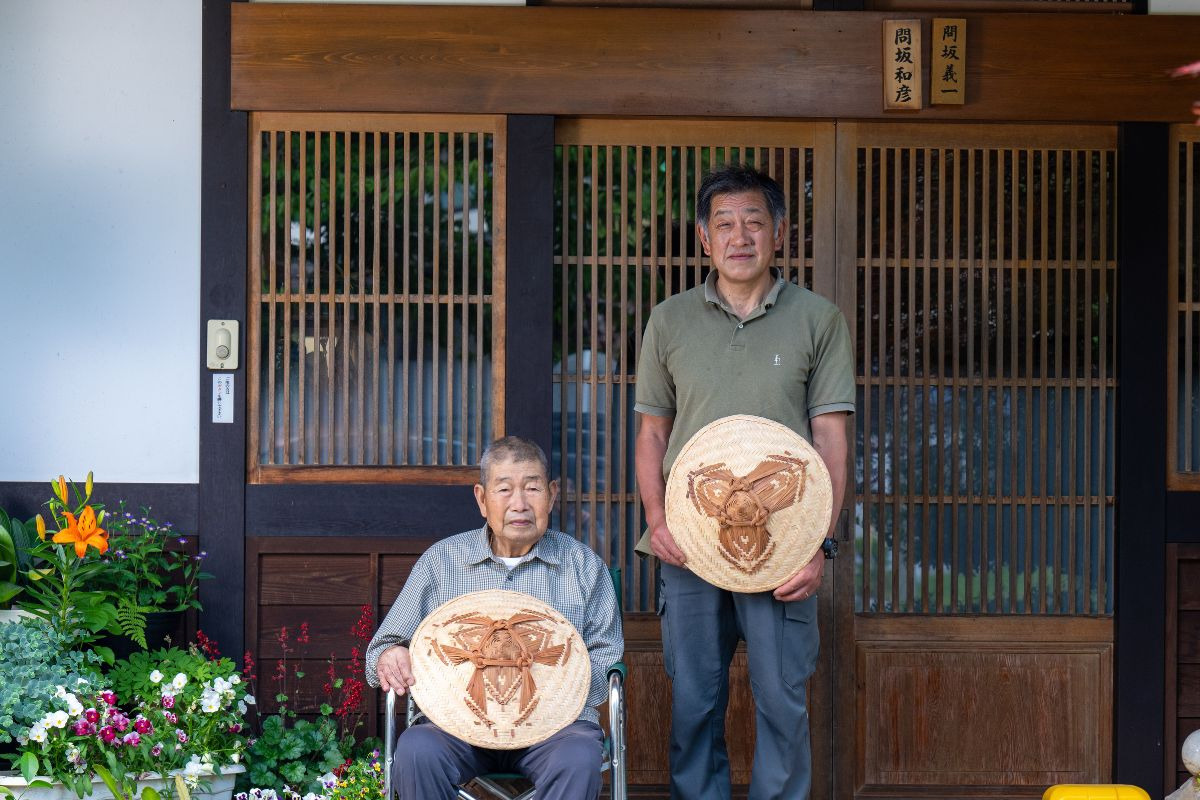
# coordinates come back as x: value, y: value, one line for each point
x: 235, y: 728
x: 120, y: 722
x: 83, y: 728
x: 181, y: 736
x: 92, y: 715
x: 132, y: 739
x: 156, y: 750
x: 142, y: 725
x: 170, y: 716
x: 109, y: 697
x: 108, y: 734
x: 168, y: 701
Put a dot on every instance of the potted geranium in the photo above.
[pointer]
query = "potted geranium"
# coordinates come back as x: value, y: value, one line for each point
x: 179, y: 726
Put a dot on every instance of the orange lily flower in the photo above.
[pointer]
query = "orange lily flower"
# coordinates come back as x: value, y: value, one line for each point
x: 83, y: 533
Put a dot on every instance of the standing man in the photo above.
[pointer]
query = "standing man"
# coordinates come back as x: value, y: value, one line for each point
x: 514, y: 550
x: 745, y: 342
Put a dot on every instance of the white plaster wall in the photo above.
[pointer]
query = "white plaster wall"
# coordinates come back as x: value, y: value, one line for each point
x: 1175, y: 6
x: 100, y: 239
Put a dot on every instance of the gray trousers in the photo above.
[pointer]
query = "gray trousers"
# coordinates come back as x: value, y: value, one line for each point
x: 430, y: 763
x: 701, y: 626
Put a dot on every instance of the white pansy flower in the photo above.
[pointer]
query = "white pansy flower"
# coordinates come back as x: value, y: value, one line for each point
x: 249, y: 700
x: 210, y: 701
x: 74, y: 707
x: 235, y: 679
x: 242, y: 708
x: 179, y: 681
x: 221, y: 685
x: 58, y: 719
x: 60, y: 692
x: 156, y: 677
x: 37, y: 733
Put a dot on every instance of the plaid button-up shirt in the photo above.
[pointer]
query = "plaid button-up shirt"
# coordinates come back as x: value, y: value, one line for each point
x: 559, y: 570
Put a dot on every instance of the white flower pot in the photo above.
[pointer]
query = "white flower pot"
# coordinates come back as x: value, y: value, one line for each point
x: 220, y: 787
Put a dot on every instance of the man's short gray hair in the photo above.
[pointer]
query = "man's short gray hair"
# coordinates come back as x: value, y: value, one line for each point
x: 512, y: 448
x: 735, y: 178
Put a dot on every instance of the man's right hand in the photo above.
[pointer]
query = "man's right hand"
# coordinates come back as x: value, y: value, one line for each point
x: 664, y: 546
x: 394, y: 669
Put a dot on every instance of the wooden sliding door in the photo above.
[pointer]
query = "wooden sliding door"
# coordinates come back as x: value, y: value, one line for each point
x: 975, y: 657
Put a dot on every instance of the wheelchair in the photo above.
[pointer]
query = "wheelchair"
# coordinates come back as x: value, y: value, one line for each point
x: 612, y: 758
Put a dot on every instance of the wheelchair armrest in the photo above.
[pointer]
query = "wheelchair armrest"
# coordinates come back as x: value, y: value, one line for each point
x: 620, y: 668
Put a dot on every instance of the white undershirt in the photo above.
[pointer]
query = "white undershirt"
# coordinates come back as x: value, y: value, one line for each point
x: 510, y: 561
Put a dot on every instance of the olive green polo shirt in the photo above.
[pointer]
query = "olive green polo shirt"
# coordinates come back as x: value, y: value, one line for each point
x: 789, y: 360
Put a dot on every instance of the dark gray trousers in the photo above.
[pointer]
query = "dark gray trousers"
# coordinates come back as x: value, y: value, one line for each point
x: 430, y: 763
x: 701, y: 626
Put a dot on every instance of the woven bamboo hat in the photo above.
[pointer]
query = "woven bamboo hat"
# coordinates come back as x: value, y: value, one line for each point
x: 749, y: 503
x: 499, y: 669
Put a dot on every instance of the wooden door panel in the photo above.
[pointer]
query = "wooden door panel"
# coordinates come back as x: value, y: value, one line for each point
x: 967, y: 714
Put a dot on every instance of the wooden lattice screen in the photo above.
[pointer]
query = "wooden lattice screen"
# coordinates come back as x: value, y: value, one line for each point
x: 376, y: 296
x: 1183, y: 313
x: 984, y: 259
x: 624, y: 240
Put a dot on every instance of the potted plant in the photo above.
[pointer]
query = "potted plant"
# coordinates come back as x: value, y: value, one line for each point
x: 90, y: 572
x: 150, y: 574
x: 33, y: 663
x: 290, y: 753
x: 180, y: 726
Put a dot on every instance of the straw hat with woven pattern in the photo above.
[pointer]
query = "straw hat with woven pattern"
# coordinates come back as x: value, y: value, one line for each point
x: 499, y: 669
x: 749, y: 503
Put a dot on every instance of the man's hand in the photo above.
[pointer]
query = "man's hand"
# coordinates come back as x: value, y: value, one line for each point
x: 803, y: 584
x: 394, y: 669
x: 664, y: 546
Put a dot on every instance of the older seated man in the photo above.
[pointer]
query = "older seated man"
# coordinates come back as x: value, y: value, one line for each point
x: 514, y: 551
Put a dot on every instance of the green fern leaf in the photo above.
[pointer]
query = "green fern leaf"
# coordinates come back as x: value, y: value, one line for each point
x: 131, y: 619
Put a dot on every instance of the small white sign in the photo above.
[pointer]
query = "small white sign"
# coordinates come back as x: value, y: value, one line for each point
x: 223, y: 397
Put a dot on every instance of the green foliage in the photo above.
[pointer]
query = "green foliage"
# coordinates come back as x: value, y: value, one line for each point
x: 134, y: 677
x: 297, y: 755
x: 189, y: 724
x: 131, y: 620
x: 16, y: 541
x: 148, y: 569
x: 61, y: 579
x: 33, y: 662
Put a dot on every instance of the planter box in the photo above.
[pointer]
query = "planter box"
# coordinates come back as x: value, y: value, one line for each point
x: 220, y: 787
x: 13, y: 614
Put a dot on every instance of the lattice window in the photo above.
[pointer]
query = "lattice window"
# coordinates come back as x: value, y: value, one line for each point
x: 986, y: 274
x: 376, y: 296
x: 1184, y: 310
x: 624, y: 240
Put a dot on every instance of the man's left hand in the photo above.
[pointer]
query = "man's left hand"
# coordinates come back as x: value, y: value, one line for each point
x: 803, y: 584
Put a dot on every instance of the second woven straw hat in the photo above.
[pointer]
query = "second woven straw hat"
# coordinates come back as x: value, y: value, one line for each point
x: 749, y: 503
x: 499, y: 669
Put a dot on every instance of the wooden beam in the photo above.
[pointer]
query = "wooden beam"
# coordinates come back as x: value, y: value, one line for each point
x: 223, y: 235
x: 693, y: 62
x: 1142, y: 212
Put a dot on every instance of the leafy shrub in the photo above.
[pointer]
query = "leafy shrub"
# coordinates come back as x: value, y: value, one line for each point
x: 34, y: 661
